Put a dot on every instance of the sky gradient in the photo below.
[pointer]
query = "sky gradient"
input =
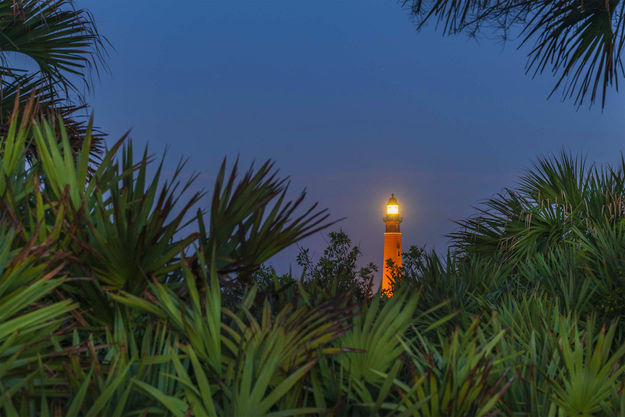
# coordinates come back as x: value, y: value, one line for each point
x: 348, y: 99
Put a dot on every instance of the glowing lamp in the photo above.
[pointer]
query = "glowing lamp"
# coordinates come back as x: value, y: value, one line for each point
x: 392, y: 207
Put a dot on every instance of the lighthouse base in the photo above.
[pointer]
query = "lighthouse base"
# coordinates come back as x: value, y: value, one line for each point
x: 392, y: 251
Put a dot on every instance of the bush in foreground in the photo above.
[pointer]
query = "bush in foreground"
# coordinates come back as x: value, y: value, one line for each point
x: 109, y: 308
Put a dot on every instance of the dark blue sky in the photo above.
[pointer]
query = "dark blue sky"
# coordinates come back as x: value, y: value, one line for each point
x: 347, y: 98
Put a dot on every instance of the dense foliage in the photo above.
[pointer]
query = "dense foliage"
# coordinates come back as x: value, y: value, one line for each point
x: 112, y: 304
x: 339, y: 261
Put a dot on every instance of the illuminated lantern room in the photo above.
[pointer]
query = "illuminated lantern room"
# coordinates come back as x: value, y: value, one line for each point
x: 392, y: 218
x: 392, y: 207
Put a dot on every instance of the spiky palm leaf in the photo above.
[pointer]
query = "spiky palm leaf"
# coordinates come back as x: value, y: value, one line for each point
x: 591, y: 369
x: 62, y: 40
x: 354, y: 382
x: 27, y: 320
x: 460, y: 375
x: 251, y: 220
x: 132, y: 232
x: 241, y: 366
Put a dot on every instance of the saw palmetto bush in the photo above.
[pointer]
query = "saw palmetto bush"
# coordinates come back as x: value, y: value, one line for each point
x: 111, y: 306
x: 120, y: 296
x: 455, y: 283
x: 544, y: 260
x: 560, y: 230
x: 557, y: 202
x: 86, y: 248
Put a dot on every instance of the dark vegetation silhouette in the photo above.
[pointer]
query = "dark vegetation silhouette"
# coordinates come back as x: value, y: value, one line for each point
x: 111, y: 305
x: 578, y: 42
x: 60, y: 53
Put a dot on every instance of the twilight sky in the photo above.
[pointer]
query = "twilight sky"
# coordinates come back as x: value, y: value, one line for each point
x: 348, y: 99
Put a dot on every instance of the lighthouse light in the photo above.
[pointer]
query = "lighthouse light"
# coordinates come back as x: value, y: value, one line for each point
x: 392, y: 209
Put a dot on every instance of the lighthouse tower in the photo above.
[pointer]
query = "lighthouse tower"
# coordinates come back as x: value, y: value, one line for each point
x: 392, y: 240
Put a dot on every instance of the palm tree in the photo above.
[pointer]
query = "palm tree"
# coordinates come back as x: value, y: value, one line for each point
x: 49, y: 51
x: 559, y: 202
x: 579, y: 41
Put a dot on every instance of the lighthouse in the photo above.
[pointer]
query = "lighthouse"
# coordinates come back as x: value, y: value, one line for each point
x: 392, y: 240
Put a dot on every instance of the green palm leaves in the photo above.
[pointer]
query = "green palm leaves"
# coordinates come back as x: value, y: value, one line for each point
x: 112, y: 289
x: 591, y: 371
x: 244, y: 228
x: 118, y: 236
x: 375, y: 332
x: 63, y: 44
x: 555, y: 202
x: 28, y: 317
x: 460, y: 375
x: 560, y: 229
x: 59, y: 38
x: 580, y: 42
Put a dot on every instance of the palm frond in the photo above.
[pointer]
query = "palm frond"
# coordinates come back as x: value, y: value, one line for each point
x: 251, y: 220
x: 579, y: 42
x: 62, y: 41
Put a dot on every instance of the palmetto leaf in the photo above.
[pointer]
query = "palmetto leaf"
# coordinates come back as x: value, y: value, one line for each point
x: 16, y: 179
x: 250, y: 365
x: 115, y: 378
x: 530, y: 322
x: 580, y: 42
x: 62, y: 40
x: 376, y: 335
x: 64, y: 45
x: 133, y: 231
x: 602, y: 254
x: 356, y: 380
x: 27, y: 319
x: 592, y: 369
x: 460, y: 375
x: 250, y: 219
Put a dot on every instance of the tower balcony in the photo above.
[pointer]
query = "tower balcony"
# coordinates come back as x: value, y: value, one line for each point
x: 392, y: 218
